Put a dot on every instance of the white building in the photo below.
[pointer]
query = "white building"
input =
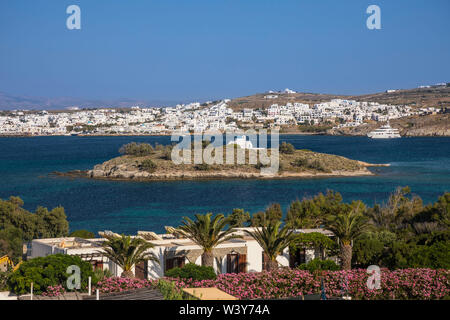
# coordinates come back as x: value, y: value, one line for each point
x: 242, y: 142
x: 233, y: 256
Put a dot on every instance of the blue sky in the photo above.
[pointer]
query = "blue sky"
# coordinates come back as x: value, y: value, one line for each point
x: 202, y: 49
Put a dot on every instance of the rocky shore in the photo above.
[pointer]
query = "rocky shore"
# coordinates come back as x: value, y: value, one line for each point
x: 118, y: 174
x: 122, y: 174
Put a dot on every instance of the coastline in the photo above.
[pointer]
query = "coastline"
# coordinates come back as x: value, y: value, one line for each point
x: 147, y: 135
x: 300, y: 133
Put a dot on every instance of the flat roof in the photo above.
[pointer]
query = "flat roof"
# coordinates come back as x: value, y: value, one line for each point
x: 79, y: 243
x: 71, y: 242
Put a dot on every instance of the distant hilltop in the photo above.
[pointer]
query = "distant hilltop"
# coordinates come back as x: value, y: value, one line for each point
x: 19, y: 102
x: 424, y: 96
x: 437, y: 95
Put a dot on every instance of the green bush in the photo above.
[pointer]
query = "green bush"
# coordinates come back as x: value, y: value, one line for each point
x: 258, y: 165
x: 202, y: 167
x: 300, y: 162
x: 317, y: 165
x: 84, y: 234
x: 317, y: 264
x: 136, y: 149
x: 171, y: 292
x: 159, y: 147
x: 102, y: 274
x: 166, y: 153
x: 192, y: 271
x: 305, y: 163
x: 409, y: 255
x: 148, y: 165
x: 287, y: 148
x: 48, y: 271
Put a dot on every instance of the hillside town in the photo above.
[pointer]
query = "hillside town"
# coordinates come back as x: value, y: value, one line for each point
x: 213, y: 116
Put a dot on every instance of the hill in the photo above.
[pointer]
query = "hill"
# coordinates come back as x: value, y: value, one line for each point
x: 429, y: 125
x: 419, y: 97
x: 258, y: 100
x: 11, y: 102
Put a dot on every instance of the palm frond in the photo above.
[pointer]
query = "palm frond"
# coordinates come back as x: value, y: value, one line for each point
x: 207, y: 231
x: 126, y: 251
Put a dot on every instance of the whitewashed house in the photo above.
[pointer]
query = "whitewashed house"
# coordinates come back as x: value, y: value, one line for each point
x: 242, y: 142
x: 233, y: 256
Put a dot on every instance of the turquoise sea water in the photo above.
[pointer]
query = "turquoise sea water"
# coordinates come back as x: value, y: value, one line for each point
x: 25, y: 164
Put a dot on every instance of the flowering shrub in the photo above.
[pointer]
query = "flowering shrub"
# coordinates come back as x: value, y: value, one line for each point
x: 424, y: 284
x: 398, y: 284
x: 54, y: 291
x: 117, y: 284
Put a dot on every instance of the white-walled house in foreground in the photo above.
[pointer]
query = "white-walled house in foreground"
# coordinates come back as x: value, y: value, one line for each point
x: 233, y: 256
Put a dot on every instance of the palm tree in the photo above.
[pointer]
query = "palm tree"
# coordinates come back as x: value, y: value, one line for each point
x: 273, y: 241
x: 347, y: 227
x: 127, y: 252
x: 207, y: 233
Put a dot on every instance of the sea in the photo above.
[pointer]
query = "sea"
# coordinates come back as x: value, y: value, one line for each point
x: 26, y: 164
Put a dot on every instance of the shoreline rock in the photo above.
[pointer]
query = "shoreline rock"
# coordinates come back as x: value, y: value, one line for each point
x: 119, y: 175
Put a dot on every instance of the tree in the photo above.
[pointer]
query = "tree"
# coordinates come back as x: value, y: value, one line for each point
x: 437, y: 214
x: 410, y: 255
x: 126, y: 252
x: 273, y: 241
x: 239, y: 218
x: 397, y: 213
x: 304, y: 214
x: 367, y: 250
x: 19, y: 225
x: 347, y: 227
x: 51, y: 224
x: 207, y: 233
x: 312, y: 240
x: 272, y: 214
x: 11, y: 243
x: 313, y: 212
x: 373, y: 247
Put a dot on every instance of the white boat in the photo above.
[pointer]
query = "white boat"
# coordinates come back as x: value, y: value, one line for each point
x: 385, y: 132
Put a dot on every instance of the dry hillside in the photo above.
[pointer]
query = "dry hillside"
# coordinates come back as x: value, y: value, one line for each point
x: 426, y: 97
